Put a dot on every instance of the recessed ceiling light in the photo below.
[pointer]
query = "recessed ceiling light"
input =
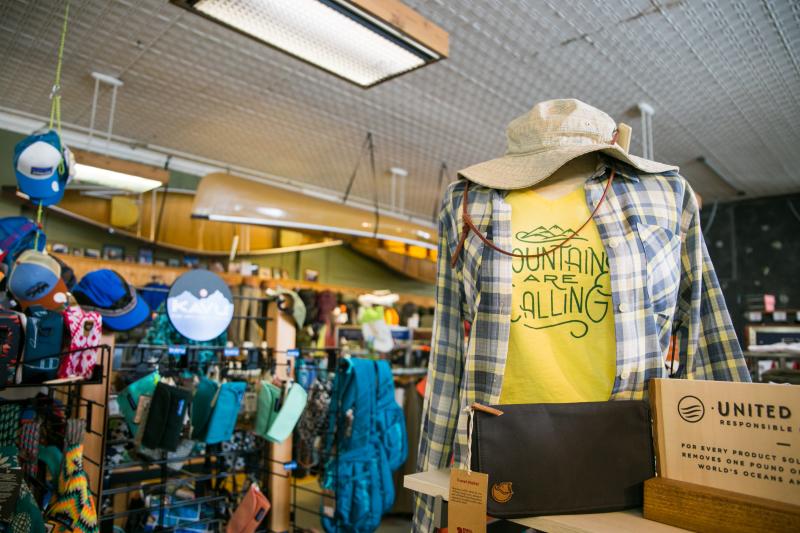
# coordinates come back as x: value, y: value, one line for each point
x: 351, y: 39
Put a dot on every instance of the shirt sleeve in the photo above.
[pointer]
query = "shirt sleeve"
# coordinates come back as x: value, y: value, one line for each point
x: 440, y: 409
x: 704, y: 332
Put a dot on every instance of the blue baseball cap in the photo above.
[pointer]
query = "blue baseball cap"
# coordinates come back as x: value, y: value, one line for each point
x: 38, y: 165
x: 109, y: 294
x: 65, y: 173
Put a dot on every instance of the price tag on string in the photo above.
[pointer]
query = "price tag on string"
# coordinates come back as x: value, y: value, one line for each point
x: 466, y: 506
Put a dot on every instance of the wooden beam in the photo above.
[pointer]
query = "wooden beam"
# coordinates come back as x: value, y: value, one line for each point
x: 409, y: 22
x: 121, y: 165
x: 281, y: 334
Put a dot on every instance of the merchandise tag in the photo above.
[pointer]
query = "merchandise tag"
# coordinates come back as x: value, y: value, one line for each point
x: 466, y: 506
x: 141, y: 409
x: 177, y: 350
x: 291, y: 465
x: 293, y: 352
x: 328, y: 506
x: 231, y: 352
x: 10, y: 480
x: 250, y: 402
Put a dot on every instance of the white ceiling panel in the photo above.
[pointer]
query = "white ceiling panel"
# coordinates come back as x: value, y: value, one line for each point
x: 722, y: 75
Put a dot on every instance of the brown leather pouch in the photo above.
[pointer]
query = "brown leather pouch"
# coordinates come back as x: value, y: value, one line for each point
x: 546, y: 459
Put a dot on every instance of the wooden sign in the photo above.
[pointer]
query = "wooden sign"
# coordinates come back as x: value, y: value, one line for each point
x: 739, y: 437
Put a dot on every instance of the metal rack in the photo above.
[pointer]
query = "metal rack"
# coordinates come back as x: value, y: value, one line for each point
x: 77, y: 400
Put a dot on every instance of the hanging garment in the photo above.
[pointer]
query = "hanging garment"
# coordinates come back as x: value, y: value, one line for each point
x: 412, y: 408
x: 162, y: 333
x: 246, y: 313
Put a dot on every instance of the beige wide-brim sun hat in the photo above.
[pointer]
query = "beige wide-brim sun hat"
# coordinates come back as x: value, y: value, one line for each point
x: 547, y: 137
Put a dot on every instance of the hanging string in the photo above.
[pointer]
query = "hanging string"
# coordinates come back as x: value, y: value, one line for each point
x: 55, y: 114
x: 374, y: 185
x: 364, y: 147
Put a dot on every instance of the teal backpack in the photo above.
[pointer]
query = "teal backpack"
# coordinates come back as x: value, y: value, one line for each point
x: 367, y: 429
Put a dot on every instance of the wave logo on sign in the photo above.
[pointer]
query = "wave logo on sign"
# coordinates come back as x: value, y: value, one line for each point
x: 200, y: 305
x: 691, y: 409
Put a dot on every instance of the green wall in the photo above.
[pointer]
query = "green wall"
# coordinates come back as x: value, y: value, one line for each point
x: 337, y: 265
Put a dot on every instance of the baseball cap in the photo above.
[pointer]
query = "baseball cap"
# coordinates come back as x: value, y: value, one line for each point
x: 65, y: 174
x: 109, y: 294
x: 35, y: 279
x: 37, y: 159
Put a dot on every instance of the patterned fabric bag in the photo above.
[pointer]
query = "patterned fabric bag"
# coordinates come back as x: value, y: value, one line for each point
x: 11, y: 335
x: 72, y: 508
x: 27, y: 517
x: 85, y: 328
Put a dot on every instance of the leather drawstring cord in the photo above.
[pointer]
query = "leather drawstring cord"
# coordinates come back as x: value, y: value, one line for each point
x: 470, y: 226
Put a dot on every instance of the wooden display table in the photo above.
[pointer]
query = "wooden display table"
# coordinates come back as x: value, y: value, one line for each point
x: 437, y: 484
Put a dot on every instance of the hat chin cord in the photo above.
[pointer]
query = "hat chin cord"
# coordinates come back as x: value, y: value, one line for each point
x: 469, y: 225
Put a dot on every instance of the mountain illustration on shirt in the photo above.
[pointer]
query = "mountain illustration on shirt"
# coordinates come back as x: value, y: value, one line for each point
x: 542, y: 235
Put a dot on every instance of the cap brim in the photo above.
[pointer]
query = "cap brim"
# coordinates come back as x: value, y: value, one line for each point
x: 525, y: 170
x: 129, y: 320
x: 38, y: 189
x: 54, y: 300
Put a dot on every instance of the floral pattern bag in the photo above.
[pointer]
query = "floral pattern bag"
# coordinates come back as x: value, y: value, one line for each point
x: 84, y: 328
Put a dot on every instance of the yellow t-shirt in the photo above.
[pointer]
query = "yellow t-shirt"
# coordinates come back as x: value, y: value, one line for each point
x: 562, y: 345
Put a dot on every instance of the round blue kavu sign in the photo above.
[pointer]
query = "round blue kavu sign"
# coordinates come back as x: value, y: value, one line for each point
x: 200, y: 305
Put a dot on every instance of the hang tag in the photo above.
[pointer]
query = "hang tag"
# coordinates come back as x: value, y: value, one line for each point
x: 141, y: 409
x: 466, y: 507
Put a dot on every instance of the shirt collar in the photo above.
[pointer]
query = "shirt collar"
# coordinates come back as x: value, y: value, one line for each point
x: 604, y: 165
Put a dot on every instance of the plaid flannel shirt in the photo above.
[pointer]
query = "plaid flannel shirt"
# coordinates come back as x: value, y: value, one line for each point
x: 663, y: 287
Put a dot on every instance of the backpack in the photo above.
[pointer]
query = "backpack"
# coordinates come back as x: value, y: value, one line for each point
x: 368, y: 434
x: 43, y: 335
x: 17, y: 234
x: 11, y: 344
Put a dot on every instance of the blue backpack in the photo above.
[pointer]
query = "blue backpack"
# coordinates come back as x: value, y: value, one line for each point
x: 367, y: 430
x: 17, y: 234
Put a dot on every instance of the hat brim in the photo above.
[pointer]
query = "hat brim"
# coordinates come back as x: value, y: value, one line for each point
x: 525, y: 170
x: 54, y: 300
x: 38, y: 189
x: 129, y: 320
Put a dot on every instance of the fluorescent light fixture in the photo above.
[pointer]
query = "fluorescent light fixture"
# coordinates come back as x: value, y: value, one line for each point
x: 338, y: 36
x: 116, y: 180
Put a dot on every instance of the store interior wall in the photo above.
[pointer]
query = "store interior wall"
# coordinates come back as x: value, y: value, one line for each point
x: 753, y: 245
x: 337, y: 265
